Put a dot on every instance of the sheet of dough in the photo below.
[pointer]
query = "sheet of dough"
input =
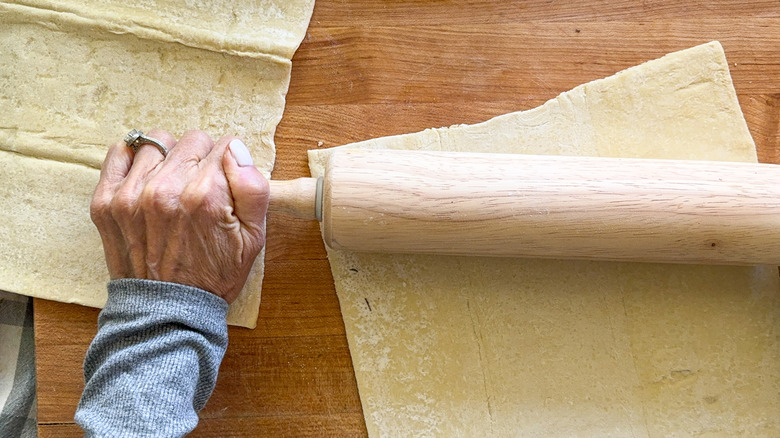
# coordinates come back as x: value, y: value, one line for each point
x: 453, y: 346
x: 77, y: 76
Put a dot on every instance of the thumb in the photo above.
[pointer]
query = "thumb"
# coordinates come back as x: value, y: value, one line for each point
x: 249, y: 188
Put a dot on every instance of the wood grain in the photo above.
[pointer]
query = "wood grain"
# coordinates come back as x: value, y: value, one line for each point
x: 295, y: 197
x: 371, y: 68
x: 559, y: 207
x: 500, y: 62
x: 415, y: 12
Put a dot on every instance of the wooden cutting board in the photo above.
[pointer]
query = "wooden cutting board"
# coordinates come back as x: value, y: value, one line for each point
x: 370, y: 68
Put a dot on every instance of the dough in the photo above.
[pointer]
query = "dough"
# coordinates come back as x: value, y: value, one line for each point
x: 458, y: 346
x: 77, y: 76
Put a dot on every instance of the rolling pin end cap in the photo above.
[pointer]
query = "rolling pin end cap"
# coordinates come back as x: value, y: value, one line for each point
x: 318, y: 200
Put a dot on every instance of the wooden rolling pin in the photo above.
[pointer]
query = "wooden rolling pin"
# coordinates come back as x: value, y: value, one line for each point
x: 542, y: 206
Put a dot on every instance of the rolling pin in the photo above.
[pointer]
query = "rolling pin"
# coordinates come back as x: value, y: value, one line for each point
x: 507, y: 205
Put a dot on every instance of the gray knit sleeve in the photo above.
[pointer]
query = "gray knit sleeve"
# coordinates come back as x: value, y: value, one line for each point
x: 153, y: 363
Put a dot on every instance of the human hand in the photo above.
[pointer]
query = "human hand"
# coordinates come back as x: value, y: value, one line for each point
x: 195, y: 217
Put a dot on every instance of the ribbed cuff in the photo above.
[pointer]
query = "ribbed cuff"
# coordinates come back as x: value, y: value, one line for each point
x: 170, y: 302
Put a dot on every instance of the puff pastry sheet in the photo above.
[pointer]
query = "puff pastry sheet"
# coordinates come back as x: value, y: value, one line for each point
x: 457, y: 346
x: 76, y: 76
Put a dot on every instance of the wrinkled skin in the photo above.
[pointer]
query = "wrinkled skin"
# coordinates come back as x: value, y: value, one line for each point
x: 195, y: 217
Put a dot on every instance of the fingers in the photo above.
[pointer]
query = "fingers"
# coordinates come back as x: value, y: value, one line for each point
x: 148, y: 153
x: 148, y: 158
x: 124, y: 205
x: 214, y: 158
x: 181, y: 165
x: 248, y: 187
x: 114, y: 170
x: 115, y: 167
x: 192, y: 148
x: 120, y: 163
x: 163, y: 189
x: 208, y: 188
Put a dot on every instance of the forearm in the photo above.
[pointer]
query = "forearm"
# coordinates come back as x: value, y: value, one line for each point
x: 154, y: 362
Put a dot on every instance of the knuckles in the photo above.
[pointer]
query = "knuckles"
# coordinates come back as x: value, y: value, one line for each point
x: 123, y: 205
x: 203, y: 196
x: 99, y: 207
x: 193, y: 198
x: 159, y: 197
x: 197, y: 136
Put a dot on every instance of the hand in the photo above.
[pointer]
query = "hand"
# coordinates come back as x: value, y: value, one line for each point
x: 195, y: 217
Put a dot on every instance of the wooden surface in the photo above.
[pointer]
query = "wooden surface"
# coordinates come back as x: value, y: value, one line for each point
x: 370, y: 68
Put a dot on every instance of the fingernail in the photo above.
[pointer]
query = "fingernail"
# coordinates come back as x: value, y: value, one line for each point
x: 240, y: 153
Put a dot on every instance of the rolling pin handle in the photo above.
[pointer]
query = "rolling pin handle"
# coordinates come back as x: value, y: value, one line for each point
x: 301, y: 198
